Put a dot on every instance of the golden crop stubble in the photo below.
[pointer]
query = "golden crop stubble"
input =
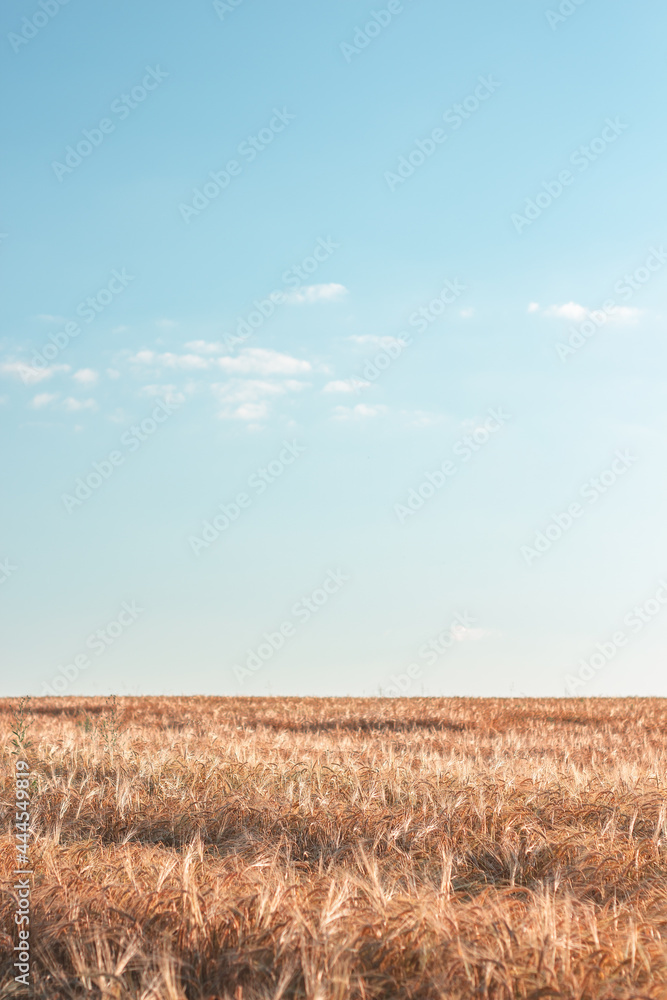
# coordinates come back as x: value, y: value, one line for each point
x: 250, y: 847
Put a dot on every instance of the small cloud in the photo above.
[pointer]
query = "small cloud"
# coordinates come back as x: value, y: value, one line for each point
x: 166, y: 324
x: 576, y: 313
x: 29, y: 375
x: 466, y: 313
x: 167, y: 392
x: 249, y: 399
x: 246, y: 390
x: 120, y: 329
x: 533, y: 307
x: 316, y: 293
x: 252, y: 412
x: 86, y: 376
x: 204, y: 347
x: 169, y: 360
x: 250, y: 361
x: 463, y: 634
x: 346, y: 385
x: 73, y: 405
x: 361, y: 411
x: 188, y: 362
x: 113, y: 373
x: 570, y: 310
x: 263, y: 361
x: 143, y: 358
x: 624, y: 314
x: 43, y: 399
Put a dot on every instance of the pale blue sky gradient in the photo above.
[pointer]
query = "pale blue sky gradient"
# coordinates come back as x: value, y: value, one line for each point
x: 360, y: 445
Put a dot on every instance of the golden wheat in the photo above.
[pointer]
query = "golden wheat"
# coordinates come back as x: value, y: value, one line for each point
x: 256, y: 848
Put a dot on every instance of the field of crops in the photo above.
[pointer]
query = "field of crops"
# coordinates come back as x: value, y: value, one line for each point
x: 256, y: 848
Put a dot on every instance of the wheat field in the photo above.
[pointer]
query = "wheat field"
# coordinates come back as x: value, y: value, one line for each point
x: 256, y: 848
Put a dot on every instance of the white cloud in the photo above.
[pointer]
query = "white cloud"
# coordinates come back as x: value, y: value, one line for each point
x: 166, y: 324
x: 113, y: 373
x: 187, y: 362
x: 43, y: 399
x: 144, y: 357
x: 576, y: 313
x: 29, y: 375
x: 462, y: 634
x: 252, y: 412
x: 361, y: 411
x: 166, y: 392
x: 249, y: 399
x: 204, y: 347
x: 624, y: 314
x: 263, y: 361
x: 257, y: 376
x: 569, y: 310
x: 250, y: 361
x: 466, y: 313
x: 249, y: 390
x: 316, y: 293
x: 86, y: 376
x: 346, y: 385
x: 74, y: 405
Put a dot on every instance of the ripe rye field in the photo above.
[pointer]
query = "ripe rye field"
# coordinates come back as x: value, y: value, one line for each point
x: 249, y: 848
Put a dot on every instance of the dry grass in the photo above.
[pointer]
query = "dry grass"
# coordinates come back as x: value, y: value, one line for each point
x: 353, y: 848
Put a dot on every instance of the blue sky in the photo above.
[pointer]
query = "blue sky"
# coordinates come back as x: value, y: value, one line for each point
x: 307, y: 428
